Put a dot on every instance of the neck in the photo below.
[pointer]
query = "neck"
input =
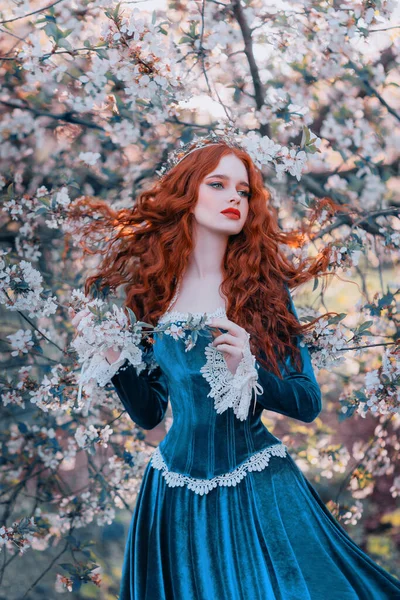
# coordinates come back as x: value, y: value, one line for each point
x: 207, y: 256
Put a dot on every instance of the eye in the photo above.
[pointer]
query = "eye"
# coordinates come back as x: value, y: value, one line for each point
x: 219, y: 183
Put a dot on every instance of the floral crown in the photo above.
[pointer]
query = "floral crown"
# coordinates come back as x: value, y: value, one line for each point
x: 231, y: 136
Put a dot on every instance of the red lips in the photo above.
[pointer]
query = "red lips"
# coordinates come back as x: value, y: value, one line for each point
x: 233, y: 211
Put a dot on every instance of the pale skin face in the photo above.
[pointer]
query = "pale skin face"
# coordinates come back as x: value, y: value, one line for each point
x: 226, y: 186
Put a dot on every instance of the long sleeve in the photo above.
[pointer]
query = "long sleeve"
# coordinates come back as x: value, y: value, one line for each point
x: 297, y: 395
x: 144, y: 395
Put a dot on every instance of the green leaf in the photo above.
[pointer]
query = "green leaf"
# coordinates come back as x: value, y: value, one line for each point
x: 64, y: 44
x: 337, y: 318
x: 102, y: 53
x: 53, y: 31
x: 144, y: 324
x: 185, y: 40
x: 365, y: 325
x: 116, y: 11
x: 132, y: 316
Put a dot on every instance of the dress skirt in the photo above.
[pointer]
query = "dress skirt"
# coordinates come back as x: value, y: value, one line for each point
x: 270, y: 537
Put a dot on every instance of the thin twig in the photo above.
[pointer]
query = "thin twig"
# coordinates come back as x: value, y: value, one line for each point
x: 39, y: 10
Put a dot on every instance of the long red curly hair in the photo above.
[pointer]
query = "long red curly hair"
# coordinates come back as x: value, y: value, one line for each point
x: 146, y: 248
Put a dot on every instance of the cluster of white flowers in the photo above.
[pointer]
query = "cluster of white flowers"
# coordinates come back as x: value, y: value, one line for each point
x: 350, y: 134
x: 264, y: 150
x: 85, y: 436
x: 382, y: 387
x: 51, y: 394
x: 374, y: 190
x: 63, y: 584
x: 330, y: 458
x: 57, y: 209
x: 20, y: 534
x: 374, y: 461
x: 21, y: 289
x: 36, y: 442
x: 21, y: 341
x: 99, y: 330
x: 331, y: 343
x: 90, y: 158
x: 124, y: 132
x: 49, y: 458
x: 279, y: 105
x: 143, y: 45
x: 391, y: 238
x: 91, y: 507
x: 345, y: 257
x: 53, y: 205
x: 12, y: 397
x: 25, y: 210
x: 353, y: 513
x: 125, y: 475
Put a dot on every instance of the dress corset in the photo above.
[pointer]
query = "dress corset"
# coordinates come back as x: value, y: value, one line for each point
x: 217, y: 435
x: 202, y: 443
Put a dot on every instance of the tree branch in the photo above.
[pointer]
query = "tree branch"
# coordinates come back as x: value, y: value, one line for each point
x: 31, y: 13
x: 65, y: 116
x: 248, y: 49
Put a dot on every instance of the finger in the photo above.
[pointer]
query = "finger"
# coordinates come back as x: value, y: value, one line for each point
x: 77, y: 318
x: 231, y: 350
x: 226, y: 337
x: 225, y: 324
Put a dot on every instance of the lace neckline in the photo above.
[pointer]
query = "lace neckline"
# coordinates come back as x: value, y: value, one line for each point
x: 176, y: 315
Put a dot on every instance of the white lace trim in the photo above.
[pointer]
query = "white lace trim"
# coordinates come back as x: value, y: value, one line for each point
x: 175, y: 315
x: 102, y: 371
x: 255, y: 462
x: 231, y: 390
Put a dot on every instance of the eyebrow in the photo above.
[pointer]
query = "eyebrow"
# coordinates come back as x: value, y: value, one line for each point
x: 225, y: 177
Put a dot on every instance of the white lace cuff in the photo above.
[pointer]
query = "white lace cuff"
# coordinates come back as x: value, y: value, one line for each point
x: 231, y: 390
x: 99, y: 369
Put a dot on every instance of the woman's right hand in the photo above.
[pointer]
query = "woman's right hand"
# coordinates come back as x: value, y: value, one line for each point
x: 110, y: 355
x: 77, y: 316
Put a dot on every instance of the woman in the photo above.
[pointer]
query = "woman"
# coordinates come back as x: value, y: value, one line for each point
x: 223, y: 511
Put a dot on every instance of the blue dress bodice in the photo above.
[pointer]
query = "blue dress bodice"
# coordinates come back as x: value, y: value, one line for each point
x: 202, y: 443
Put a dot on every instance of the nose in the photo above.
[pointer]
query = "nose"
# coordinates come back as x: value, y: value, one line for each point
x: 236, y: 199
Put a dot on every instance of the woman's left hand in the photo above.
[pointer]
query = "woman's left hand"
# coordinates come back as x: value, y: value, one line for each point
x: 232, y: 343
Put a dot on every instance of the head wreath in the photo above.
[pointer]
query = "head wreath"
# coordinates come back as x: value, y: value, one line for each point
x: 231, y: 136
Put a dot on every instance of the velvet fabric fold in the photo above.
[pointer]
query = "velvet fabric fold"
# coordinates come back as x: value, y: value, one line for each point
x: 268, y: 538
x: 144, y: 395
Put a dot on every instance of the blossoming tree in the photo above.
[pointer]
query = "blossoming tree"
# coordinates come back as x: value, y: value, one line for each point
x: 93, y: 96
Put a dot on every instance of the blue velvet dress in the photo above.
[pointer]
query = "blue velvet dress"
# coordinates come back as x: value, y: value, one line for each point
x: 223, y: 512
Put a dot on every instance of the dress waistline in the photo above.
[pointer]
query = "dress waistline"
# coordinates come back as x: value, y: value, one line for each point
x: 255, y: 462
